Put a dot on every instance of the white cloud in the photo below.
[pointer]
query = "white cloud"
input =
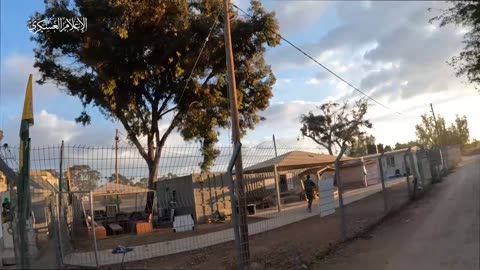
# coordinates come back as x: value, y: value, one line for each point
x: 15, y: 71
x: 298, y: 14
x: 51, y: 129
x: 313, y: 81
x: 380, y: 61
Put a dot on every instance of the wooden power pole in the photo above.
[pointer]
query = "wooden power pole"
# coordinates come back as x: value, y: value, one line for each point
x: 275, y: 145
x: 244, y: 249
x: 116, y: 156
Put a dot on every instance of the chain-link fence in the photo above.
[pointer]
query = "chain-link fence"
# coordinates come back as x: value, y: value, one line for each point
x: 294, y: 203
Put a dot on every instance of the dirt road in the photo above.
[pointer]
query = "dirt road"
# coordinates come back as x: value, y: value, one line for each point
x: 442, y: 231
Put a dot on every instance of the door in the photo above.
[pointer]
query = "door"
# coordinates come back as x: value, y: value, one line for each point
x: 290, y: 182
x: 283, y: 183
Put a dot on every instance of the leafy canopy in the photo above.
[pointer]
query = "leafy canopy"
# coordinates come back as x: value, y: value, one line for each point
x: 409, y: 144
x: 336, y: 125
x: 135, y: 59
x: 467, y: 15
x: 359, y: 145
x: 84, y: 178
x: 121, y: 179
x: 456, y: 134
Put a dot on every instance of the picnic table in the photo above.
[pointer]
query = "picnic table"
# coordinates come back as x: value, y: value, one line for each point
x: 116, y: 229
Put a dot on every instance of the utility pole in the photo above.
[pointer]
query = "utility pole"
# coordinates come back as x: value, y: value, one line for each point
x: 275, y: 145
x: 245, y: 248
x: 116, y: 156
x: 436, y: 125
x: 116, y: 167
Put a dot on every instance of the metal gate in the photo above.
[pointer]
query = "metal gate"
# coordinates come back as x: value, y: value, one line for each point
x: 72, y: 221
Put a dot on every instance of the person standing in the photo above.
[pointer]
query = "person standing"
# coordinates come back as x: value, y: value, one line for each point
x: 309, y: 191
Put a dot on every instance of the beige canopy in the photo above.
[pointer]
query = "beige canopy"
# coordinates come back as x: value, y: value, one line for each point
x: 294, y: 160
x: 350, y: 162
x: 118, y: 189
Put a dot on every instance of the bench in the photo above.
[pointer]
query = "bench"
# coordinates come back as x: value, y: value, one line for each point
x: 115, y: 228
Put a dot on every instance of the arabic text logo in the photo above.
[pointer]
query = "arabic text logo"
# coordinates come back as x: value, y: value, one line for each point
x: 60, y: 24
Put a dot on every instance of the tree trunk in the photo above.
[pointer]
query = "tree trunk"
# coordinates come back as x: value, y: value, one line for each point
x: 152, y: 176
x: 329, y: 148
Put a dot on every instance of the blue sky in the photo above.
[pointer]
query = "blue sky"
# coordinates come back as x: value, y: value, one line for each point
x: 388, y: 49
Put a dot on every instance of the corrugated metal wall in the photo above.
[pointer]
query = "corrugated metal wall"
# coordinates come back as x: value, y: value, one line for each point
x: 211, y: 194
x: 177, y: 189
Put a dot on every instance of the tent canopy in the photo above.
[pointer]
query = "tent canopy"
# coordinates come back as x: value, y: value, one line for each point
x: 118, y: 189
x: 294, y: 160
x: 350, y: 162
x: 317, y: 170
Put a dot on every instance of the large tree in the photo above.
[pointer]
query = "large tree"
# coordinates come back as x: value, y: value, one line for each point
x: 409, y: 144
x: 359, y: 145
x: 83, y: 177
x: 430, y: 133
x: 121, y: 179
x: 136, y: 58
x: 467, y: 15
x: 458, y: 131
x: 336, y: 125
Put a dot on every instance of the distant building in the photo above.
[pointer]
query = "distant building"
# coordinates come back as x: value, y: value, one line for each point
x: 199, y: 195
x: 3, y: 182
x: 45, y: 179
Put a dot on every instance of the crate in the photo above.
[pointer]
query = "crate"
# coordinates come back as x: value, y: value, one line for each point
x: 100, y: 232
x: 143, y: 227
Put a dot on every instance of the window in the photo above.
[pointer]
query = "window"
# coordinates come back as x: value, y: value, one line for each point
x: 390, y: 161
x: 174, y: 195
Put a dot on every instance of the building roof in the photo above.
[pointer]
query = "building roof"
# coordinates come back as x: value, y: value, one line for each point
x: 390, y: 153
x: 293, y: 160
x: 44, y: 180
x: 316, y: 170
x: 118, y: 189
x: 350, y: 162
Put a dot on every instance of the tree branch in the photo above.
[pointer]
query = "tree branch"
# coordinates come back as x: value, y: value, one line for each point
x: 167, y: 111
x: 169, y: 130
x: 317, y: 141
x: 134, y: 139
x: 164, y: 105
x: 210, y: 76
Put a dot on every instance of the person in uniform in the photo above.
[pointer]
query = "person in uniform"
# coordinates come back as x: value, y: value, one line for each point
x: 309, y: 192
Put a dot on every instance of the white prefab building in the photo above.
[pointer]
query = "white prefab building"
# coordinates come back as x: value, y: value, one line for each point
x: 393, y: 166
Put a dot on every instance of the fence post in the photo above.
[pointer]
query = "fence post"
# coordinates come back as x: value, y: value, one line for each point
x: 384, y: 190
x: 340, y: 199
x: 408, y: 171
x: 233, y: 202
x: 94, y: 237
x: 415, y: 175
x: 277, y: 188
x: 421, y: 169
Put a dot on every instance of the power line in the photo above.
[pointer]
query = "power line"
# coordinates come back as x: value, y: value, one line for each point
x: 200, y: 54
x: 323, y: 66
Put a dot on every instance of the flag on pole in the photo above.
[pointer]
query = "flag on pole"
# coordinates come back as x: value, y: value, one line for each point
x: 23, y: 187
x: 27, y: 115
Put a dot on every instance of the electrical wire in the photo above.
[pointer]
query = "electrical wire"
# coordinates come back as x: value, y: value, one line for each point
x: 200, y: 54
x: 324, y: 67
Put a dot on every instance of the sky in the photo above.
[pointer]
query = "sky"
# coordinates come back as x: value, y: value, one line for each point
x: 387, y: 49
